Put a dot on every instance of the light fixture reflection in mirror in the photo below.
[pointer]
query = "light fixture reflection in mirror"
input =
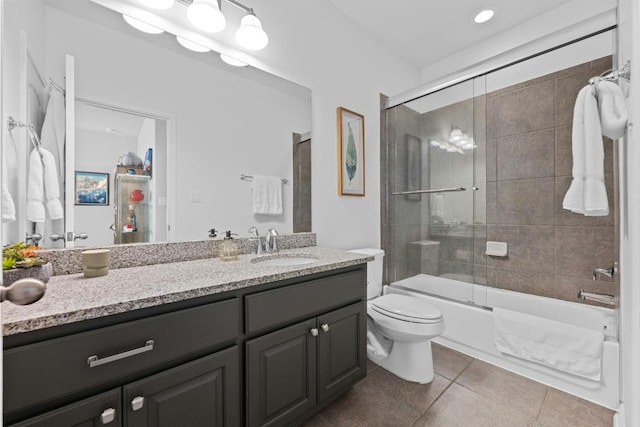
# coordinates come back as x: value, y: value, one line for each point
x: 232, y: 61
x: 196, y: 47
x: 142, y: 26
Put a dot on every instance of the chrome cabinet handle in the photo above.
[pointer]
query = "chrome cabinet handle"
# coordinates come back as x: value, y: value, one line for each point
x: 314, y: 332
x: 94, y: 360
x: 325, y: 327
x: 24, y: 291
x: 137, y: 403
x: 56, y: 237
x: 108, y: 416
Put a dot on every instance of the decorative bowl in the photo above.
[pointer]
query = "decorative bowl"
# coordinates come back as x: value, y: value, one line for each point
x: 41, y: 272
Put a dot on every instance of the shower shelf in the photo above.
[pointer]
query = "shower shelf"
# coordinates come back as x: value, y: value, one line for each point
x: 438, y: 190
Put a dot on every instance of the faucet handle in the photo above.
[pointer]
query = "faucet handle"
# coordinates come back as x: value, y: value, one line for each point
x: 609, y: 272
x: 271, y: 236
x: 254, y: 231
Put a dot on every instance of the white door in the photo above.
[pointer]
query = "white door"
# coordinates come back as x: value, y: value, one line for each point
x: 70, y: 152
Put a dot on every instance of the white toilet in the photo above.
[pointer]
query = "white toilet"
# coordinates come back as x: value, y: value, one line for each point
x: 399, y: 327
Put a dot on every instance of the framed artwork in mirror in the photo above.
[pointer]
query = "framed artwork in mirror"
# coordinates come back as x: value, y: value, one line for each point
x: 92, y: 189
x: 350, y: 153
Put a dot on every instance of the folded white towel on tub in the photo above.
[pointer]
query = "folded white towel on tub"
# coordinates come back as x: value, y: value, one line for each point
x: 562, y: 346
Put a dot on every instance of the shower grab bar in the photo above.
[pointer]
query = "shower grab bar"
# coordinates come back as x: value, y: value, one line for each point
x: 439, y: 190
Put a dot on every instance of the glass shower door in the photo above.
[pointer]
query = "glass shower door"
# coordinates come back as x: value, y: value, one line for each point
x: 436, y: 147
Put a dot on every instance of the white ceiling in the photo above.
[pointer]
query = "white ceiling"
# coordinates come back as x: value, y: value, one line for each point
x: 103, y: 120
x: 423, y: 32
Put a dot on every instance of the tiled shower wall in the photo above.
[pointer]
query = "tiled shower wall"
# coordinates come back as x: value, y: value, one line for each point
x: 552, y: 252
x: 523, y: 169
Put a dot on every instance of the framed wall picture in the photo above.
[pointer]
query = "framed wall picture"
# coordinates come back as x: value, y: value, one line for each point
x: 92, y: 189
x: 350, y: 153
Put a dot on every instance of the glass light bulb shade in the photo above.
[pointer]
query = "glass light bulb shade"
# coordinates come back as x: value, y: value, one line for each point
x: 250, y: 35
x: 232, y: 61
x: 483, y: 16
x: 158, y: 4
x: 206, y: 16
x: 142, y: 26
x: 192, y: 45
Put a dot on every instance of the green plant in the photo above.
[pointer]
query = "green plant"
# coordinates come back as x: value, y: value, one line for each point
x: 21, y: 255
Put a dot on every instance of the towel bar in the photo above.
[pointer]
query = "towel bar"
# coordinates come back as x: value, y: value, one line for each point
x: 438, y: 190
x: 250, y: 178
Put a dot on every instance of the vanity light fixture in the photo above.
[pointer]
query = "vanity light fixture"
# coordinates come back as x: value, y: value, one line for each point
x: 232, y: 61
x: 196, y: 47
x: 483, y: 16
x: 142, y: 26
x: 206, y: 16
x: 250, y: 35
x: 158, y: 4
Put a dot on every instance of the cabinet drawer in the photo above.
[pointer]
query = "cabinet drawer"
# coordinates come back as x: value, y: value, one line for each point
x: 276, y: 307
x: 51, y: 369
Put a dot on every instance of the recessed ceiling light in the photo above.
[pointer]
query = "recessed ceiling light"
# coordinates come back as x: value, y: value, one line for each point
x: 232, y: 61
x: 483, y: 16
x: 142, y: 26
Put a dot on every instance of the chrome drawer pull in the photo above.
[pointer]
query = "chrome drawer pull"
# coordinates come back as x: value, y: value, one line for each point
x: 325, y: 327
x: 314, y: 332
x: 137, y: 403
x: 94, y: 360
x: 108, y: 416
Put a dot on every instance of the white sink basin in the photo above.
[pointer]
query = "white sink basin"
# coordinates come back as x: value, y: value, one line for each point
x: 284, y: 261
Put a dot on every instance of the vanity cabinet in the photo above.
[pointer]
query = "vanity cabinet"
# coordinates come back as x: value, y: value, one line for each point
x: 298, y: 368
x: 270, y: 354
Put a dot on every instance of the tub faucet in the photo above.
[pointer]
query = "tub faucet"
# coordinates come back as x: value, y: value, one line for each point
x: 271, y: 244
x: 609, y: 272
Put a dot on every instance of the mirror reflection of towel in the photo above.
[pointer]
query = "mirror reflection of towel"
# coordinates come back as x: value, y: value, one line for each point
x: 267, y: 195
x: 437, y: 205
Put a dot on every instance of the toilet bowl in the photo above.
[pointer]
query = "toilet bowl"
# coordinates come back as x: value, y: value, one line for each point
x: 399, y: 327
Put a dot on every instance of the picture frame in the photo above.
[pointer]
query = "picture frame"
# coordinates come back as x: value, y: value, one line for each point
x: 350, y: 153
x: 91, y: 188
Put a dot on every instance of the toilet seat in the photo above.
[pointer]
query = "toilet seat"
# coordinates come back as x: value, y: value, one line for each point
x: 406, y: 308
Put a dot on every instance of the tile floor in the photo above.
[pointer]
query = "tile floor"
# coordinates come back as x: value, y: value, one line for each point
x: 465, y: 392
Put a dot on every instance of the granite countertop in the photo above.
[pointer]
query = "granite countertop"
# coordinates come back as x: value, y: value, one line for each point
x: 73, y: 298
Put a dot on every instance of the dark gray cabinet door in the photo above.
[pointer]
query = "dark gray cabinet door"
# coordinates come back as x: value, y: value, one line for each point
x: 342, y: 354
x: 281, y: 375
x: 101, y: 410
x: 204, y: 393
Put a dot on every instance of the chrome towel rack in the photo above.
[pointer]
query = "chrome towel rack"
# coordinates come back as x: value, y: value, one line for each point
x: 438, y: 190
x: 623, y: 72
x: 250, y: 178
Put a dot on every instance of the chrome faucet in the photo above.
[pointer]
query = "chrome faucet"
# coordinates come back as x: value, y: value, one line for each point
x: 271, y: 244
x: 253, y: 231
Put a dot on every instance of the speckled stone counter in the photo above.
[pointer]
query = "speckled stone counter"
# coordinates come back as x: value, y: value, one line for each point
x: 73, y: 298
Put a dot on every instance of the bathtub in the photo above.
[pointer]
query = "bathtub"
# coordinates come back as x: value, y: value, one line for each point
x: 468, y: 316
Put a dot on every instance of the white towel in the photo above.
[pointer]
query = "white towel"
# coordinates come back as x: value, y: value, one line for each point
x: 612, y: 105
x: 437, y: 205
x: 51, y: 185
x: 559, y: 345
x: 378, y: 345
x: 8, y: 207
x: 35, y: 188
x: 43, y: 180
x: 587, y: 194
x: 267, y: 195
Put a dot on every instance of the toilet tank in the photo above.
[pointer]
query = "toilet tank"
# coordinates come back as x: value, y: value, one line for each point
x: 374, y: 270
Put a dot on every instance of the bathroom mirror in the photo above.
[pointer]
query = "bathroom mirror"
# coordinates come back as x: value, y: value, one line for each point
x: 220, y: 122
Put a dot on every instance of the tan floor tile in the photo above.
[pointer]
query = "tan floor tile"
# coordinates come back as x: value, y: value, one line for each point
x: 371, y: 366
x: 564, y: 410
x: 418, y: 396
x: 449, y: 363
x: 505, y: 387
x: 317, y: 421
x: 368, y: 405
x: 460, y: 407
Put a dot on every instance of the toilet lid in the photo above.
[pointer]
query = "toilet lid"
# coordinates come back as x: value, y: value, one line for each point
x: 406, y: 308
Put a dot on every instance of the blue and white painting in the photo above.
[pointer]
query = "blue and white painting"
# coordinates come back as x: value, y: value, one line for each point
x: 92, y: 188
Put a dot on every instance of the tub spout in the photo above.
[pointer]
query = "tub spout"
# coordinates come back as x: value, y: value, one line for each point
x: 596, y: 297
